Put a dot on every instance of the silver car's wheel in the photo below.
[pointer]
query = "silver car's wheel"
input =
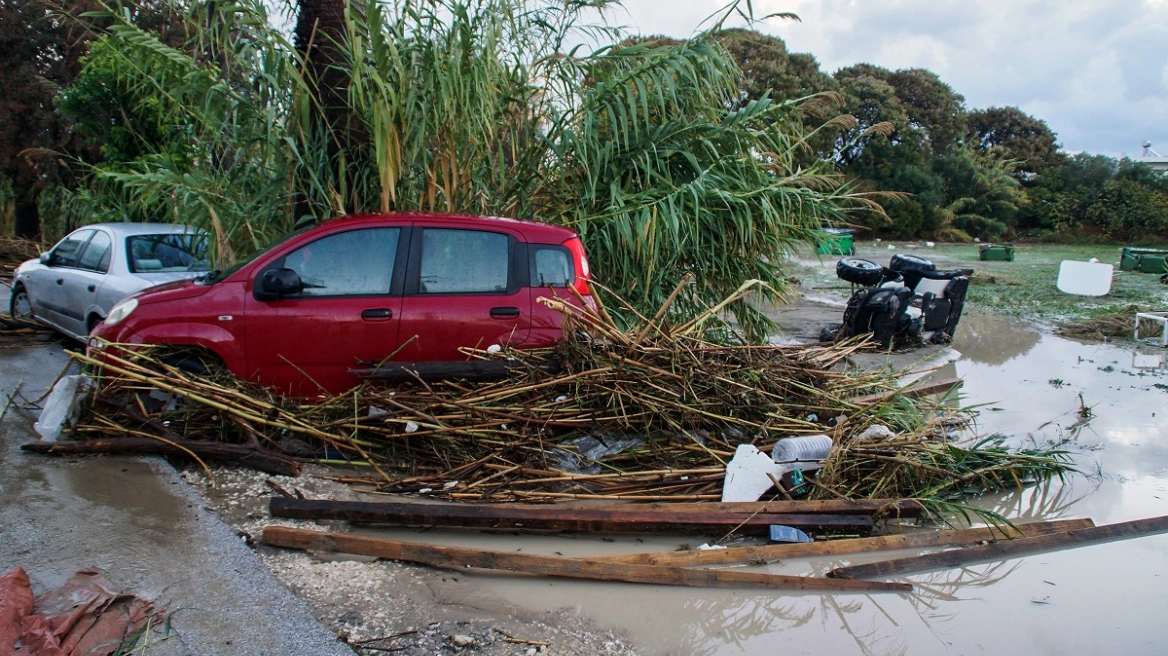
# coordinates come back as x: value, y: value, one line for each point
x: 20, y: 306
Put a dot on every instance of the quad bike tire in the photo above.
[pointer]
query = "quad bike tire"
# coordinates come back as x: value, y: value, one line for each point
x: 859, y: 271
x: 902, y: 262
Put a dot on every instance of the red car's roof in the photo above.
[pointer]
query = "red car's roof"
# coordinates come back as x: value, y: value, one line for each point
x: 543, y: 233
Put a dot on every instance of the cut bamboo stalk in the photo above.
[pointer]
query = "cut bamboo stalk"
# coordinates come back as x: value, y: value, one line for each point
x: 1006, y: 549
x: 609, y: 519
x: 460, y: 557
x: 919, y: 540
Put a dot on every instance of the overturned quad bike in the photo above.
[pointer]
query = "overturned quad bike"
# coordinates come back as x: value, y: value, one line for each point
x: 907, y: 301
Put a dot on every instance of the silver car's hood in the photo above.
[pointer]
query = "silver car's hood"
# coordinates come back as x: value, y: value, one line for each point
x: 161, y: 278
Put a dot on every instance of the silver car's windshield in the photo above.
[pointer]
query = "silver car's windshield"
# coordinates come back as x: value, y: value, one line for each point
x: 170, y: 253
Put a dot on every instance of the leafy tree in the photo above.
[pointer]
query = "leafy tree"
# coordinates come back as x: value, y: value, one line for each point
x: 1026, y: 139
x: 982, y: 195
x: 768, y: 68
x: 115, y: 113
x: 39, y: 54
x: 931, y: 107
x: 483, y: 107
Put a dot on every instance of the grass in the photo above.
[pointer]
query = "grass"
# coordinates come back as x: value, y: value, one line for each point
x: 1023, y: 289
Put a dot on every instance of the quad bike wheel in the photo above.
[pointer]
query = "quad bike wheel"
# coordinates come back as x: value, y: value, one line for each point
x: 902, y: 262
x: 859, y: 271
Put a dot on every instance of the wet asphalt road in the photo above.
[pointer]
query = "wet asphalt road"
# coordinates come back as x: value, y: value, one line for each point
x: 136, y: 519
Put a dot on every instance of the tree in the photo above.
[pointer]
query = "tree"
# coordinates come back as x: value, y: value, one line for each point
x: 1026, y: 139
x: 474, y: 106
x: 981, y: 193
x: 39, y: 54
x: 767, y: 67
x: 931, y: 106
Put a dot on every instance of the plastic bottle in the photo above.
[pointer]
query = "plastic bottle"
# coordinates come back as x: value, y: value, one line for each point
x: 804, y: 452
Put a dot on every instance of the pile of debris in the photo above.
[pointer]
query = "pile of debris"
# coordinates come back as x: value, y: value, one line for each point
x: 13, y: 252
x: 652, y: 413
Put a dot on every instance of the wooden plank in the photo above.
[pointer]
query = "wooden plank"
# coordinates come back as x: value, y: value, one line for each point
x: 938, y: 387
x: 1006, y: 549
x: 236, y: 454
x: 609, y: 519
x: 894, y: 507
x: 460, y: 557
x: 958, y: 537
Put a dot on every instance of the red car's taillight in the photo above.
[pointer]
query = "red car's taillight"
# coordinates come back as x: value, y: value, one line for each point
x: 580, y: 261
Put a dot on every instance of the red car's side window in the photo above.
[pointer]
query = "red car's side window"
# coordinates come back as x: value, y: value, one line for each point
x: 464, y: 262
x: 353, y: 263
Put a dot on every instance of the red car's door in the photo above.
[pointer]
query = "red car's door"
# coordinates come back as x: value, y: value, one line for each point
x: 463, y: 288
x: 346, y: 315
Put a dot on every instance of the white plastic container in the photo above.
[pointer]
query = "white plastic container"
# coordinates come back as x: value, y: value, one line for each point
x: 804, y: 452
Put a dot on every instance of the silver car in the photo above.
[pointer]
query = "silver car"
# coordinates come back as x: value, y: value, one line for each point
x: 73, y: 286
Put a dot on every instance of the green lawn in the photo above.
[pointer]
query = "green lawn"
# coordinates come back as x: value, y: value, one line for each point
x: 1024, y: 288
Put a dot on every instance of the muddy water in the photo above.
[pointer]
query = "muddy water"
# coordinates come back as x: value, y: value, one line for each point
x: 1102, y: 598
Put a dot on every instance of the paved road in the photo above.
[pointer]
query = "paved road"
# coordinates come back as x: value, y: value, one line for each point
x: 140, y: 522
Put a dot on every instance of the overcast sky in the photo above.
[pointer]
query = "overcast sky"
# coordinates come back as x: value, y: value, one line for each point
x: 1095, y: 70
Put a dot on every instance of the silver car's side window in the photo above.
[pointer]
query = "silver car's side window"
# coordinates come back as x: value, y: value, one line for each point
x: 66, y: 251
x: 96, y: 256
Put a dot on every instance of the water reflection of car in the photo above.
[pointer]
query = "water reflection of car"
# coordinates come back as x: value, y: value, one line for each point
x: 73, y: 286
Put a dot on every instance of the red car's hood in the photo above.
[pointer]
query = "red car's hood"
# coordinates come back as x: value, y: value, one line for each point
x: 172, y: 291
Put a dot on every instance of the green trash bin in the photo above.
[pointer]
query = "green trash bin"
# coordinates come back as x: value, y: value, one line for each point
x: 996, y: 253
x: 1147, y: 260
x: 835, y: 241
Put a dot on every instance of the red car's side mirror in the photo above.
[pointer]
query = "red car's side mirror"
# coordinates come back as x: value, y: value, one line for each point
x: 277, y: 283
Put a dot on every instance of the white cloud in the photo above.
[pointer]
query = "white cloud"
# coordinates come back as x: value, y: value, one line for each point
x: 1097, y: 72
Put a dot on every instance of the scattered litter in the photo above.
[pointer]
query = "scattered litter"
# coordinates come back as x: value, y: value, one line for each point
x: 494, y: 348
x: 781, y: 533
x: 411, y: 427
x: 876, y: 432
x: 375, y: 411
x: 707, y: 547
x: 748, y: 474
x: 1085, y: 278
x: 62, y: 406
x: 84, y: 617
x: 803, y: 452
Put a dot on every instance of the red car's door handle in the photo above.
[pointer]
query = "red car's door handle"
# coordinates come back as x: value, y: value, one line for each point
x: 377, y: 313
x: 505, y: 312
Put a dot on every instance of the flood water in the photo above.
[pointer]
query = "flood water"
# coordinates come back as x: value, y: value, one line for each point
x: 1027, y: 385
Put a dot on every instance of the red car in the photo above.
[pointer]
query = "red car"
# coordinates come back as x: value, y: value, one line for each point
x: 301, y: 315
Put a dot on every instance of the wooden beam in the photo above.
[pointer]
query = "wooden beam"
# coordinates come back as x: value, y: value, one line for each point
x: 915, y: 540
x: 468, y: 370
x: 460, y: 557
x: 894, y: 507
x: 938, y: 387
x: 609, y: 519
x: 236, y: 454
x: 1006, y: 549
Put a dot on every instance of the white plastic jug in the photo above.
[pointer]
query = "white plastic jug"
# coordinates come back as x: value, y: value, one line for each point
x: 804, y: 452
